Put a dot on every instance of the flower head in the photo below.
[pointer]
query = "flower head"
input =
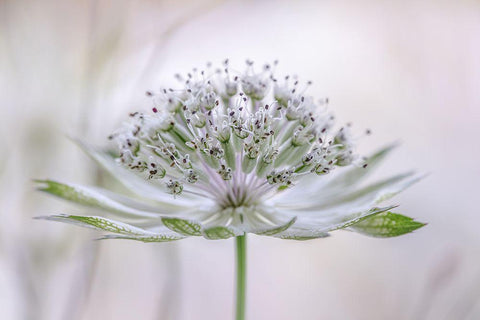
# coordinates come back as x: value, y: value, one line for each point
x: 231, y: 153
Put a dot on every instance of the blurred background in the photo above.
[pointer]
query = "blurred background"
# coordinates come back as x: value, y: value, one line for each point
x: 408, y: 70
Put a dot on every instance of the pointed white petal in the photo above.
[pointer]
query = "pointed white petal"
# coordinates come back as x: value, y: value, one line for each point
x: 354, y: 175
x: 356, y: 201
x: 139, y: 186
x: 341, y: 179
x: 271, y: 231
x: 106, y: 200
x: 306, y: 229
x: 264, y: 220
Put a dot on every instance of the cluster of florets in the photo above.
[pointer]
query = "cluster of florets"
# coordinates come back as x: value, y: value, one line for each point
x: 234, y: 137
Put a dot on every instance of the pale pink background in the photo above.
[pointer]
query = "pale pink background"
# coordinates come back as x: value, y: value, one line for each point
x: 409, y: 70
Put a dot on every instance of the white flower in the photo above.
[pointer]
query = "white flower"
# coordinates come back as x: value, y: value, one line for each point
x: 230, y: 154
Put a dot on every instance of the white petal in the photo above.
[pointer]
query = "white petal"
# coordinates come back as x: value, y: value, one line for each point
x: 264, y: 220
x: 139, y: 186
x: 338, y: 181
x: 307, y: 228
x: 354, y: 175
x: 359, y: 200
x: 106, y: 200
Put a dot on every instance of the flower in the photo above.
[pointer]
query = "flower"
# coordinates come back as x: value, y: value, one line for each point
x: 235, y: 153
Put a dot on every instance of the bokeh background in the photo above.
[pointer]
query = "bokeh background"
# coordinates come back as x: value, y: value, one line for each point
x: 408, y: 70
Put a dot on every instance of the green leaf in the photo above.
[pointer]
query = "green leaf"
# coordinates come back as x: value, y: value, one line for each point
x: 97, y: 223
x: 385, y: 225
x: 146, y: 239
x: 215, y: 233
x: 358, y: 217
x: 182, y: 226
x: 278, y: 229
x: 122, y: 230
x: 68, y: 192
x: 301, y: 234
x: 306, y: 229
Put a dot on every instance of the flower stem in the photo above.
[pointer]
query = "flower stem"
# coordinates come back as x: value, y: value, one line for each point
x: 241, y: 246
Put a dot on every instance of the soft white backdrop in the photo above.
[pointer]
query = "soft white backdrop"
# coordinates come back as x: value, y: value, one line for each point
x: 409, y: 71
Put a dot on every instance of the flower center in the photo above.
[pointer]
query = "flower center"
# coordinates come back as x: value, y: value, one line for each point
x: 233, y: 139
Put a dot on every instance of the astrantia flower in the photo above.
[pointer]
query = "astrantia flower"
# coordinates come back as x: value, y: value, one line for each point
x: 234, y: 153
x: 229, y: 154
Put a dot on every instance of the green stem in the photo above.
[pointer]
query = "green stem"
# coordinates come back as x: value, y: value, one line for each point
x: 241, y: 246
